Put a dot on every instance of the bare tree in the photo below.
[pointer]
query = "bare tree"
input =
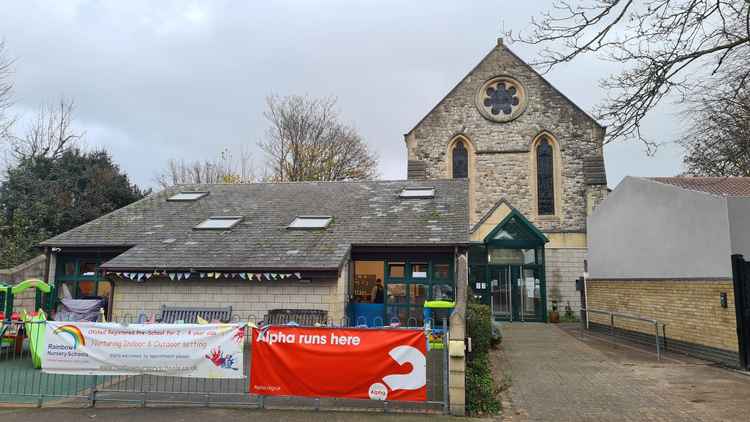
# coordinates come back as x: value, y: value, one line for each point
x: 306, y: 141
x: 49, y: 135
x: 6, y: 91
x: 669, y: 48
x: 224, y: 169
x: 717, y: 142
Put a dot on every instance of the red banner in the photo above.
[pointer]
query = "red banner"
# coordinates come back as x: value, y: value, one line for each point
x: 377, y: 364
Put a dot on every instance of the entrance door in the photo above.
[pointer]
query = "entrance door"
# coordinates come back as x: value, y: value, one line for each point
x: 500, y: 293
x: 516, y: 293
x: 741, y: 276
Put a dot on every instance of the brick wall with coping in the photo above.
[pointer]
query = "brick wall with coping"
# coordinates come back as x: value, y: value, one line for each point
x: 690, y: 309
x: 249, y: 299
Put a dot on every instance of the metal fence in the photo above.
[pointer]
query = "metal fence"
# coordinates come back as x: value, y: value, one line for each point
x: 613, y: 329
x: 21, y: 384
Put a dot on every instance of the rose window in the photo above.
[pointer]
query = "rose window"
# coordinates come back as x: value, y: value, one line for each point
x: 501, y: 99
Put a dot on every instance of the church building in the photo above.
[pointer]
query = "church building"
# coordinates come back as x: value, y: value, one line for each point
x: 535, y: 168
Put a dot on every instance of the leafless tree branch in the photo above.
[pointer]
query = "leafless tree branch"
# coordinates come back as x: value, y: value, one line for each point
x: 669, y: 48
x: 306, y: 141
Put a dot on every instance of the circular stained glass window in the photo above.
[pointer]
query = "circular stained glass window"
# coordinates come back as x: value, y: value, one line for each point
x: 501, y: 99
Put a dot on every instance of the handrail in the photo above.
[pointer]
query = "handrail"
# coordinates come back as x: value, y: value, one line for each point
x: 612, y: 316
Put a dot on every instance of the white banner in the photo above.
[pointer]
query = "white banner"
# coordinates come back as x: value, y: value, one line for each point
x: 184, y: 350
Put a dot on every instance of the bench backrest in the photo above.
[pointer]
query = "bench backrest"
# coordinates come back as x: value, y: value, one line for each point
x: 305, y: 317
x: 189, y: 315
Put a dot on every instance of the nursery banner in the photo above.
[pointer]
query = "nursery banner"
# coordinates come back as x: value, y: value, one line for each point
x: 184, y: 350
x: 377, y: 364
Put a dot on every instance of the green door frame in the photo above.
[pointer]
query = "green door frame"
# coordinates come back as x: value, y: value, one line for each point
x: 523, y: 235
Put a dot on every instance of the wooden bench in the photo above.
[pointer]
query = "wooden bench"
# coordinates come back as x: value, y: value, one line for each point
x: 189, y: 315
x: 304, y: 317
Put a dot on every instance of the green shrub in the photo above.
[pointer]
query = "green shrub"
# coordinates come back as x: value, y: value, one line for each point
x: 481, y: 392
x: 479, y: 328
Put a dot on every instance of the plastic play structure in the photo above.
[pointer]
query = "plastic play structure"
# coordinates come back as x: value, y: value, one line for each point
x: 11, y: 331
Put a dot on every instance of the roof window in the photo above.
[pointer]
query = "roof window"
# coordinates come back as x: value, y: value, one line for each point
x: 310, y: 222
x: 187, y: 196
x: 411, y: 193
x: 219, y: 223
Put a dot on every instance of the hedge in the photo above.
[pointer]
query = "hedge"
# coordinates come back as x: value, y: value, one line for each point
x: 481, y: 392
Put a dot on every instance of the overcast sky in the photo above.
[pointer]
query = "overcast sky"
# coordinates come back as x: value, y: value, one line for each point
x: 178, y: 79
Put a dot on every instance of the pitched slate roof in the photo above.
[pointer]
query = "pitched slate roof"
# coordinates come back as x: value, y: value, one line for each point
x: 162, y: 236
x: 593, y: 170
x: 722, y: 186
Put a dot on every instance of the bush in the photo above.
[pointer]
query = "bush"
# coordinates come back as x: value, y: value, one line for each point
x: 481, y: 392
x: 479, y: 328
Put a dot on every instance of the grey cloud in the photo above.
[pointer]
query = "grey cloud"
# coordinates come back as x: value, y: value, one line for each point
x: 159, y: 80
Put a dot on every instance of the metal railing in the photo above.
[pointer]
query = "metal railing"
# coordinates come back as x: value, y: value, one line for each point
x: 658, y: 339
x: 23, y: 384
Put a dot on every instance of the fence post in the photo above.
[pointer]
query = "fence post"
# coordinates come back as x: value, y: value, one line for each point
x: 446, y: 387
x: 658, y: 346
x: 611, y: 323
x: 92, y: 392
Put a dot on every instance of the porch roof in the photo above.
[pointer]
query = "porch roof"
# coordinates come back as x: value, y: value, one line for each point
x: 160, y: 234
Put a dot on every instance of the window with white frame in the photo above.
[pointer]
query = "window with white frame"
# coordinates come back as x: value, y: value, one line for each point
x: 219, y: 223
x: 187, y: 196
x: 310, y: 222
x: 417, y: 193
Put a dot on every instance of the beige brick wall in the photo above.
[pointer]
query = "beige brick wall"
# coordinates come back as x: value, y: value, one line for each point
x: 690, y: 309
x: 249, y: 299
x: 563, y: 267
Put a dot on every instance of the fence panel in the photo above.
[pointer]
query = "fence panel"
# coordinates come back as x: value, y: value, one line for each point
x: 22, y: 383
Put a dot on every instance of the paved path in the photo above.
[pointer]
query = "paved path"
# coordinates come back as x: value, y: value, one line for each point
x: 555, y: 376
x: 204, y: 414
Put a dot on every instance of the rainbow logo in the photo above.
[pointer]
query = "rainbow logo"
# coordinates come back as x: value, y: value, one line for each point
x: 74, y: 332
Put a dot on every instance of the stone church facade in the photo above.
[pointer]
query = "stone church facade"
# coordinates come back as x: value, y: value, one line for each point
x: 526, y: 149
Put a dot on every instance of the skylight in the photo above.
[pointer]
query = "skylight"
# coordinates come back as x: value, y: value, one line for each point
x: 310, y: 222
x: 417, y: 193
x: 219, y: 223
x: 187, y: 196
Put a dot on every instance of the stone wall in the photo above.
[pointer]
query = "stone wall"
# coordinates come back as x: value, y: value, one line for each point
x: 503, y: 161
x: 563, y: 267
x: 690, y: 309
x: 33, y: 268
x: 249, y: 300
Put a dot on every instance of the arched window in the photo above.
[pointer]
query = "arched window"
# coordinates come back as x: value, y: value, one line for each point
x: 460, y: 161
x: 545, y: 177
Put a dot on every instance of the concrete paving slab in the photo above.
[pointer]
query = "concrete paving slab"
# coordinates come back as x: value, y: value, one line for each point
x: 557, y: 376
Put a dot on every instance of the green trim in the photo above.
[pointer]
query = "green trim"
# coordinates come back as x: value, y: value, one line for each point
x: 541, y: 238
x: 439, y: 304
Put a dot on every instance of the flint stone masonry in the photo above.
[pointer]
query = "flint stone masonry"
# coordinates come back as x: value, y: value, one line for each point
x: 249, y: 300
x: 503, y: 162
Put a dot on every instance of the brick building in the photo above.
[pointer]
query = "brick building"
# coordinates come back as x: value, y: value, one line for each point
x: 662, y: 249
x: 535, y: 168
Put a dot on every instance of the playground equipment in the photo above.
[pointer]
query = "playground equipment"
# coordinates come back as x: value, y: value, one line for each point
x: 12, y: 331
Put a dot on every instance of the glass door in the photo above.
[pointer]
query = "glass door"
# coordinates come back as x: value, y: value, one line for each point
x: 527, y: 294
x: 500, y: 292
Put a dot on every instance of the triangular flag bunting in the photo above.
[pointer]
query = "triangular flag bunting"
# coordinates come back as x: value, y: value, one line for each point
x: 242, y: 276
x: 171, y: 276
x: 186, y: 276
x: 298, y: 275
